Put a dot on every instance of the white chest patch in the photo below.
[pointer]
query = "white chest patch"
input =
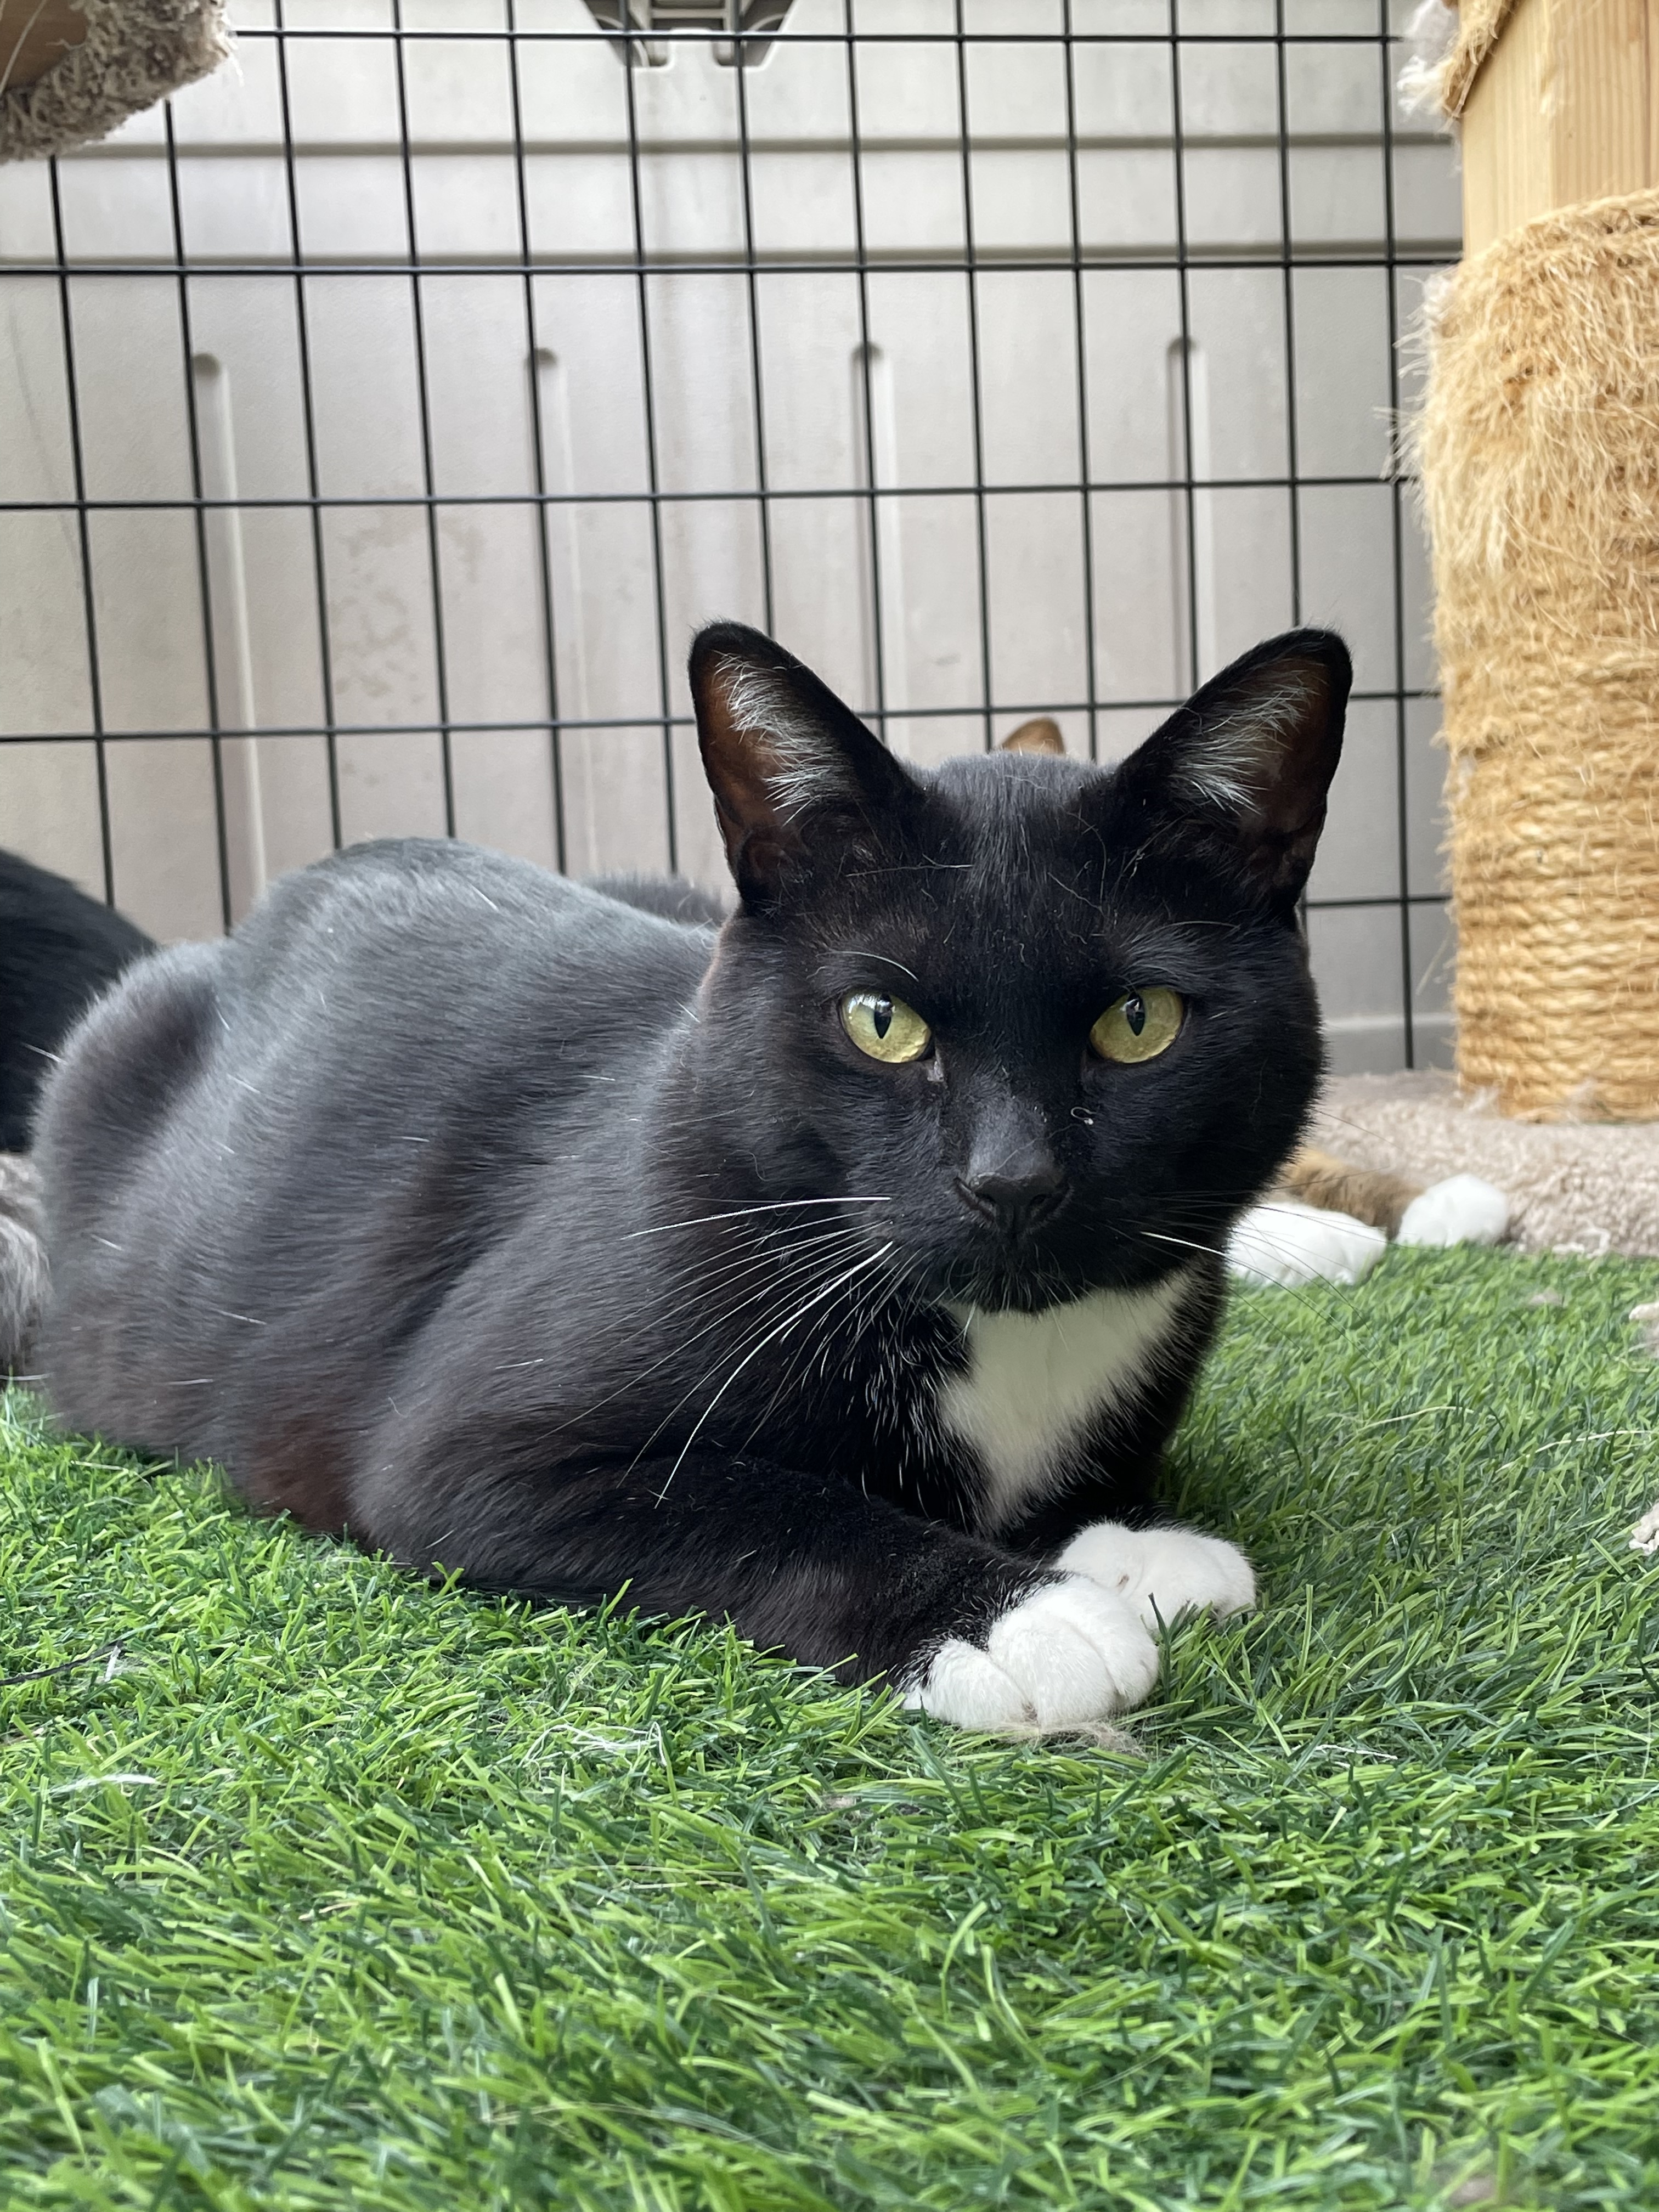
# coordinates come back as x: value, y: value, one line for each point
x: 1035, y: 1382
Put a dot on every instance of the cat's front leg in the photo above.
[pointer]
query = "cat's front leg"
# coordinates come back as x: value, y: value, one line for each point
x: 1162, y: 1573
x: 959, y: 1627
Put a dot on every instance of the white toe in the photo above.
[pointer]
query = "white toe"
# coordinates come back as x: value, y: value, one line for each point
x: 1462, y: 1209
x: 1287, y: 1243
x: 1164, y: 1572
x: 964, y: 1685
x: 1078, y: 1653
x: 1069, y: 1654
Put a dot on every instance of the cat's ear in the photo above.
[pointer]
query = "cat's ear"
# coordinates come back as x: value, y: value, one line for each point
x: 1248, y: 761
x: 795, y: 775
x: 1040, y: 735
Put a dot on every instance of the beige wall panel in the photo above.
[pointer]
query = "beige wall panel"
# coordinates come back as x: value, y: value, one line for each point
x: 49, y: 809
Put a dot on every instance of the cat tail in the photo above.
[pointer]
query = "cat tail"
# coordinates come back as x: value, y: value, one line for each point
x: 23, y: 1276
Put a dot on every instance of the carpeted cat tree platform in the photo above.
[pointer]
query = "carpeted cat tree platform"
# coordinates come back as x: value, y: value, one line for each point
x: 1538, y: 446
x: 71, y: 70
x: 1581, y: 1187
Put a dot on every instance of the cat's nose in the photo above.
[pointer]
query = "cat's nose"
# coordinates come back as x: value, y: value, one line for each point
x: 1018, y: 1195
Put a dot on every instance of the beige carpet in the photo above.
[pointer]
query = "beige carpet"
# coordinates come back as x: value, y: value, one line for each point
x: 1585, y: 1187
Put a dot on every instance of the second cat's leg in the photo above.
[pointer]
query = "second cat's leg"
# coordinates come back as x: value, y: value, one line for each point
x: 835, y: 1578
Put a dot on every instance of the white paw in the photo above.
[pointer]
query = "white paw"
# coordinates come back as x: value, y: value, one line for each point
x: 1070, y: 1653
x: 1287, y: 1243
x: 1645, y: 1536
x: 1164, y: 1572
x: 1462, y: 1209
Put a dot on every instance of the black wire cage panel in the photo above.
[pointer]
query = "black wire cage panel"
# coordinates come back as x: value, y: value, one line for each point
x: 378, y: 418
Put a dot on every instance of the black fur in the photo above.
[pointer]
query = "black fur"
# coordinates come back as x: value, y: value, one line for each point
x: 523, y: 1232
x: 671, y: 896
x: 59, y: 950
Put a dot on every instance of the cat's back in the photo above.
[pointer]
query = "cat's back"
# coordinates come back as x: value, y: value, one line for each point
x: 334, y: 1107
x: 408, y: 920
x: 415, y: 986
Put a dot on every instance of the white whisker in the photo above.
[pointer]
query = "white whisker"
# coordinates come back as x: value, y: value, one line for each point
x: 742, y: 1212
x: 799, y: 1313
x: 785, y: 1283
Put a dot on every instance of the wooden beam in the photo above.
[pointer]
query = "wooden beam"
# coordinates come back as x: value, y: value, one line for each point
x: 1565, y: 108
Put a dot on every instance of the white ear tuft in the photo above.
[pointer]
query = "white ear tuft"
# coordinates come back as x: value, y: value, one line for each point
x: 1247, y: 762
x: 1242, y: 753
x: 802, y: 767
x: 798, y: 780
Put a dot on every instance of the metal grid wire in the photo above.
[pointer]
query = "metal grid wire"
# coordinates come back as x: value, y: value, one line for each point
x: 1382, y: 874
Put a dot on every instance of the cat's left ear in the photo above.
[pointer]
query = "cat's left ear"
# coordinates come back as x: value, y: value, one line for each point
x: 1248, y: 762
x: 796, y: 777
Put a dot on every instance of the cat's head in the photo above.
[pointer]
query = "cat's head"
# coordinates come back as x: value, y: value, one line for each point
x: 1050, y: 1024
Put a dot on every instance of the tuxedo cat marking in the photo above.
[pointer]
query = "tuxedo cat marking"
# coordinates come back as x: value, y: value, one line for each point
x: 842, y: 1269
x: 1035, y: 1384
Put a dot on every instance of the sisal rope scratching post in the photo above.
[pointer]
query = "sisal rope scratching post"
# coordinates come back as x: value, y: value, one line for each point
x: 1538, y: 446
x: 1539, y: 450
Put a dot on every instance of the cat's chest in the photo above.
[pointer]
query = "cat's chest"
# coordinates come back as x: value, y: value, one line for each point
x: 1035, y: 1384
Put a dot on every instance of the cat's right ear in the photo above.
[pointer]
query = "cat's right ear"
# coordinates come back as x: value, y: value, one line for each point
x: 795, y: 775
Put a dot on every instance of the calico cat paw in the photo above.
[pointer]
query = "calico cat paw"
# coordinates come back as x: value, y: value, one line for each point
x: 1163, y: 1572
x: 1068, y: 1654
x: 1462, y: 1209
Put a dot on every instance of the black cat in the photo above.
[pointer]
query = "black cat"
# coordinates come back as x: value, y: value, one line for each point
x: 59, y: 950
x: 843, y: 1272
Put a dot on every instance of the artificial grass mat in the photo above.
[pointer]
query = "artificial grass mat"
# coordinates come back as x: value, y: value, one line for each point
x: 337, y: 1890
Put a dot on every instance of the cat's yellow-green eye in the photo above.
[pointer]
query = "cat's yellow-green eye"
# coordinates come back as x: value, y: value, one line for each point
x: 1140, y: 1025
x: 884, y: 1027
